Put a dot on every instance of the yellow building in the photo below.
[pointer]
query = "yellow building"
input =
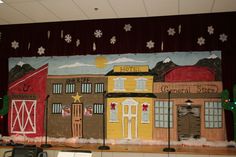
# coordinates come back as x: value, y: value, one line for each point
x: 130, y: 103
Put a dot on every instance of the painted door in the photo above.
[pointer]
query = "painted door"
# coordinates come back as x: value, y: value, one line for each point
x: 77, y: 120
x: 188, y: 122
x: 129, y: 119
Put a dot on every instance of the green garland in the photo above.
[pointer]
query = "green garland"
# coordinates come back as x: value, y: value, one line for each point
x: 230, y: 105
x: 4, y: 110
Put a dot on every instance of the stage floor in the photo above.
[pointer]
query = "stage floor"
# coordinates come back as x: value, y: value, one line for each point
x: 139, y: 150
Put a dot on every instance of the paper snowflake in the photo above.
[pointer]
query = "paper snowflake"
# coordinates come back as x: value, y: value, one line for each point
x: 15, y: 44
x: 68, y: 38
x: 171, y: 31
x: 98, y: 33
x: 77, y: 42
x: 113, y: 40
x: 210, y: 30
x: 201, y: 41
x: 150, y: 44
x: 127, y: 27
x: 41, y: 50
x: 223, y: 37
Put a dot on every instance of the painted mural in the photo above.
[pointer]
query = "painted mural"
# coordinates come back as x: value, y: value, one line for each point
x: 132, y: 89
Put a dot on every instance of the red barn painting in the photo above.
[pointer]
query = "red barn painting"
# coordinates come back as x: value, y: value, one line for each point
x: 27, y: 102
x: 190, y: 73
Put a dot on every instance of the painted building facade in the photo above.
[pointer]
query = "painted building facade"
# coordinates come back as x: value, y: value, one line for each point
x: 129, y: 103
x: 75, y: 106
x: 204, y: 118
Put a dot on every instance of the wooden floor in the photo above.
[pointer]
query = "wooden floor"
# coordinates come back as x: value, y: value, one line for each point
x: 140, y: 149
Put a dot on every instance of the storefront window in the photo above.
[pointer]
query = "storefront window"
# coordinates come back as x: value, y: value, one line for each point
x: 161, y: 114
x: 213, y: 114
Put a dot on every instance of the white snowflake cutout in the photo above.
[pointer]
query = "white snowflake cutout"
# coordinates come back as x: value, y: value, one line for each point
x: 98, y: 33
x: 41, y: 50
x: 113, y: 40
x: 150, y: 44
x: 127, y: 27
x: 15, y: 44
x: 223, y: 37
x: 171, y: 31
x: 201, y: 41
x: 77, y: 42
x: 68, y: 38
x: 210, y: 30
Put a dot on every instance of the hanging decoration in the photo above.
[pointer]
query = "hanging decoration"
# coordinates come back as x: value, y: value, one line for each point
x: 171, y: 31
x: 98, y: 33
x: 28, y: 45
x: 113, y: 40
x: 210, y: 30
x: 150, y: 44
x: 201, y: 41
x: 180, y: 27
x: 15, y: 44
x: 41, y: 50
x: 223, y: 37
x: 68, y: 38
x: 94, y: 46
x: 127, y: 27
x: 62, y: 34
x: 48, y: 34
x: 77, y: 42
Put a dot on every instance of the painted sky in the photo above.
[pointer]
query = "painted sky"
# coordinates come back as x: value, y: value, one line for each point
x: 101, y: 64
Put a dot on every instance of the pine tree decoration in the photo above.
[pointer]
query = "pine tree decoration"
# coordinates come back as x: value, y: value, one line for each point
x: 4, y: 110
x: 230, y: 105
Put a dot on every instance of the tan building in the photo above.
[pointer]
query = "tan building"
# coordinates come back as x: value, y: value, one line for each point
x: 204, y: 118
x: 75, y: 105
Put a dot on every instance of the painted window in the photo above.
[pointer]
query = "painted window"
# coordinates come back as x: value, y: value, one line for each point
x: 113, y: 112
x: 57, y: 88
x: 99, y: 87
x: 70, y: 88
x: 213, y: 114
x: 141, y: 84
x: 145, y: 113
x: 86, y: 88
x: 56, y: 108
x: 161, y: 114
x: 98, y: 108
x: 119, y: 84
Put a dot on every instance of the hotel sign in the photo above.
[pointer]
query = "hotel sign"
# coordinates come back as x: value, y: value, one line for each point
x: 131, y: 68
x: 188, y: 87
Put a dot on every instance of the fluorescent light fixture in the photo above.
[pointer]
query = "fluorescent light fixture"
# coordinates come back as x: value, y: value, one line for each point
x: 1, y: 1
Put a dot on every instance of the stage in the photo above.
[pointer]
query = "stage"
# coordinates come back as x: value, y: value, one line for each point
x: 139, y: 150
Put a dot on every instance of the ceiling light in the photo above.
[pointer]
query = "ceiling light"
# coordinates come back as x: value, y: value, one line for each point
x: 1, y: 1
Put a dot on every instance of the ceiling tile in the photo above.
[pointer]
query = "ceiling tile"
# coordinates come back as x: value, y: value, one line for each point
x: 224, y: 5
x: 195, y: 6
x: 18, y: 1
x: 12, y: 16
x: 129, y: 8
x: 64, y: 9
x: 35, y: 11
x: 104, y: 10
x: 161, y: 7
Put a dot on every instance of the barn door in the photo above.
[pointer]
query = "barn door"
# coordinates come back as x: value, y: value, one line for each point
x: 188, y: 122
x: 77, y: 120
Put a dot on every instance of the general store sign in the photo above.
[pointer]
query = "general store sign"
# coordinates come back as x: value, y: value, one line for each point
x: 191, y: 87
